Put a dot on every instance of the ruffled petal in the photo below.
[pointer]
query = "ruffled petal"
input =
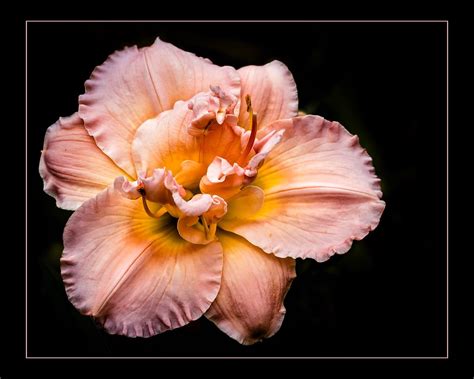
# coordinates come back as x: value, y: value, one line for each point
x: 130, y: 190
x: 249, y: 306
x: 211, y: 110
x: 134, y: 85
x: 222, y: 178
x: 133, y: 273
x: 321, y: 192
x: 272, y: 90
x: 73, y: 168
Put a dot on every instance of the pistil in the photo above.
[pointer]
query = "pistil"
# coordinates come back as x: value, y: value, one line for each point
x: 253, y: 132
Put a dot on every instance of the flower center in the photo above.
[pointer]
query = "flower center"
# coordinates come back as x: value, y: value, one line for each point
x: 198, y: 197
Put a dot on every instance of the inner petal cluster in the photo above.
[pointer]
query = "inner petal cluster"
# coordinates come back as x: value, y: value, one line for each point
x: 199, y: 192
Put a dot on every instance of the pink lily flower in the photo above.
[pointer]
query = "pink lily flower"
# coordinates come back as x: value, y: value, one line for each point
x: 194, y: 188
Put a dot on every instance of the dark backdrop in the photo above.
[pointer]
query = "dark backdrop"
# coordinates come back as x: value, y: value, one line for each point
x: 385, y: 82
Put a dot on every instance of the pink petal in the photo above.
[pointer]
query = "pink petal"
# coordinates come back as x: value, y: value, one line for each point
x: 218, y: 169
x: 321, y: 192
x: 272, y: 90
x: 199, y: 204
x: 73, y: 168
x: 249, y: 306
x: 164, y: 142
x: 134, y: 85
x: 134, y: 273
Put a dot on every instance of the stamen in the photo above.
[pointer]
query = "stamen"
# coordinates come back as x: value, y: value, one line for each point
x: 206, y: 128
x: 161, y: 211
x: 253, y: 132
x: 212, y: 231
x: 248, y: 100
x: 149, y: 212
x: 204, y: 223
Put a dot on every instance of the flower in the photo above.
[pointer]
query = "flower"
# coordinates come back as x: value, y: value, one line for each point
x: 195, y: 187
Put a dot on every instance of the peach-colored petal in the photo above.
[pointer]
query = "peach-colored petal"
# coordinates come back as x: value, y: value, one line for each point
x: 220, y: 168
x: 134, y: 85
x: 272, y: 90
x: 190, y: 174
x: 164, y: 142
x: 193, y: 231
x: 73, y: 168
x: 249, y: 306
x: 199, y: 204
x: 321, y: 192
x: 196, y: 206
x: 216, y: 211
x: 222, y: 178
x: 155, y: 187
x: 245, y: 204
x: 134, y: 273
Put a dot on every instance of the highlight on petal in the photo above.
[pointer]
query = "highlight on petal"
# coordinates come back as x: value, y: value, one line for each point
x: 73, y: 168
x: 249, y: 306
x: 164, y: 142
x: 134, y: 273
x: 198, y: 204
x: 321, y: 192
x: 134, y: 85
x: 273, y: 92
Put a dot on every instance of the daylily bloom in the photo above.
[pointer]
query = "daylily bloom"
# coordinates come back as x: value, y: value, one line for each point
x: 195, y: 187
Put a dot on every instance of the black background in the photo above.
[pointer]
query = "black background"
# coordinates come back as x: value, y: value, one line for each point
x: 385, y: 82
